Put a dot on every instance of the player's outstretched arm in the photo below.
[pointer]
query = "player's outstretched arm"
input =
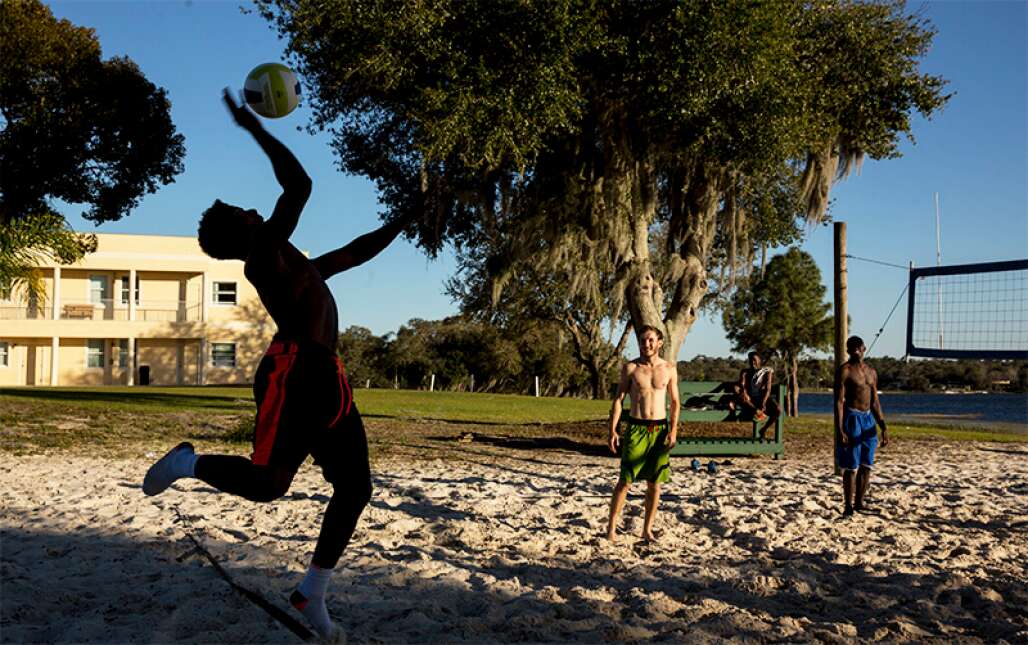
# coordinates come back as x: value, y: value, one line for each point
x: 296, y: 185
x: 360, y: 250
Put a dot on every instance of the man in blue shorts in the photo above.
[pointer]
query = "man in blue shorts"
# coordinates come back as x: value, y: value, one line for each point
x: 857, y: 414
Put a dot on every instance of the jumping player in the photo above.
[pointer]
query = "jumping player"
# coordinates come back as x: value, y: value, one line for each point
x: 648, y: 437
x: 857, y: 411
x: 304, y: 403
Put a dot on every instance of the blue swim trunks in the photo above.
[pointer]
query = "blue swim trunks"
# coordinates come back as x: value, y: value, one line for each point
x: 859, y: 427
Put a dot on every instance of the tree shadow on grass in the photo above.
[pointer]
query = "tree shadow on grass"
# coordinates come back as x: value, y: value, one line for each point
x: 534, y: 444
x: 140, y: 397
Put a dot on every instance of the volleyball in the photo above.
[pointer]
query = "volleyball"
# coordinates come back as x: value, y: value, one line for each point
x: 271, y: 90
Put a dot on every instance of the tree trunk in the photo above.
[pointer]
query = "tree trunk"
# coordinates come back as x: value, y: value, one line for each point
x: 594, y: 380
x: 794, y: 386
x: 696, y: 211
x: 694, y: 208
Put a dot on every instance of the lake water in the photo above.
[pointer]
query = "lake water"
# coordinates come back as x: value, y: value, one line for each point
x: 1000, y: 411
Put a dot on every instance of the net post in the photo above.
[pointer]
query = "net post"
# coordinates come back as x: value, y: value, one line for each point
x: 841, y: 316
x: 910, y: 311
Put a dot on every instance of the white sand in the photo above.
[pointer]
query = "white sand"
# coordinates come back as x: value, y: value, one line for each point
x: 512, y: 551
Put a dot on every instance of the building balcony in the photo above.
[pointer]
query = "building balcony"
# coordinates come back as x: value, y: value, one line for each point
x: 108, y: 309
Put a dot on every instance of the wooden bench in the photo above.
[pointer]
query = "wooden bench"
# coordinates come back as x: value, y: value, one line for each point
x: 700, y: 403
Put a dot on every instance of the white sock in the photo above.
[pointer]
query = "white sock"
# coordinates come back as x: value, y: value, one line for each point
x: 309, y: 598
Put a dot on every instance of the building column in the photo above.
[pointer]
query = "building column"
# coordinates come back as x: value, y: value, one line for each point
x: 56, y: 300
x: 180, y: 360
x: 132, y: 298
x: 130, y: 363
x: 201, y: 370
x: 55, y: 346
x: 204, y: 297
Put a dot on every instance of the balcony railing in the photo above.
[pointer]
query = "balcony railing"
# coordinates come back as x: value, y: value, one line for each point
x: 22, y: 311
x: 108, y: 309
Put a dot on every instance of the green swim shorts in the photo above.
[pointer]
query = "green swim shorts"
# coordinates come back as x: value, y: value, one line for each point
x: 644, y: 455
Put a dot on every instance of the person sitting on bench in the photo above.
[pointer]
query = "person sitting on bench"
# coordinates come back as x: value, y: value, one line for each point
x: 751, y: 394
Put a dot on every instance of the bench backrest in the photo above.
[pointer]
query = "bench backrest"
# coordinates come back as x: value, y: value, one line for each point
x: 685, y: 390
x: 697, y: 387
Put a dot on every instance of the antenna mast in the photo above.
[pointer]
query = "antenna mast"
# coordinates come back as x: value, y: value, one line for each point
x: 938, y: 262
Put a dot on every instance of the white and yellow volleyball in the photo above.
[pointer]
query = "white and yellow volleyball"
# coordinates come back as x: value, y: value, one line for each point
x: 271, y: 90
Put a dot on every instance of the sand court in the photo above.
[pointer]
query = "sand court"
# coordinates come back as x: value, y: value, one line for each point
x: 501, y: 547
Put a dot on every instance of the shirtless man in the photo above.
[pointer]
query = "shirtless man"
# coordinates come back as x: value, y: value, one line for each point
x: 304, y: 403
x: 753, y: 393
x: 648, y: 438
x: 857, y: 411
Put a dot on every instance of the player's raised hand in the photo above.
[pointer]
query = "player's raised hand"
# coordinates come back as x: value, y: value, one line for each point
x: 241, y: 114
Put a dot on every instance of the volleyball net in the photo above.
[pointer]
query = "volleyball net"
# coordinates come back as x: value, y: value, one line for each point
x: 969, y: 311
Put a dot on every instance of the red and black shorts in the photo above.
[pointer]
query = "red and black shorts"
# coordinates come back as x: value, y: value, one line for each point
x: 305, y: 407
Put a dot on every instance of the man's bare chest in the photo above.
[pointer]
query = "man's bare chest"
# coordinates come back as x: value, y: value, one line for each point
x: 650, y: 378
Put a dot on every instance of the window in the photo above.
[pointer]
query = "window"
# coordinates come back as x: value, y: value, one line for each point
x: 125, y: 290
x: 95, y: 353
x: 5, y: 352
x: 223, y: 354
x: 97, y: 289
x: 123, y: 352
x: 225, y: 293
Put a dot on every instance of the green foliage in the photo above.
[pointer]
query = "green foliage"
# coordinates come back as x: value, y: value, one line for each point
x: 470, y: 91
x: 365, y: 357
x: 457, y: 349
x: 75, y: 128
x: 783, y: 311
x: 894, y: 374
x: 28, y: 242
x: 537, y: 301
x: 568, y: 134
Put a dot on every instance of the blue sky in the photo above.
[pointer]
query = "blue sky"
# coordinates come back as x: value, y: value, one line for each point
x: 974, y: 154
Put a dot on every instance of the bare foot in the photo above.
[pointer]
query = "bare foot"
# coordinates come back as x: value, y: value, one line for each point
x: 612, y: 536
x: 649, y: 537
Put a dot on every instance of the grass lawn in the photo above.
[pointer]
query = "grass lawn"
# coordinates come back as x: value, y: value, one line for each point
x: 122, y: 421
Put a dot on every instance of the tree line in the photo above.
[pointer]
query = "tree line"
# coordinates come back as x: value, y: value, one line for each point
x: 893, y: 373
x: 461, y: 354
x: 464, y: 355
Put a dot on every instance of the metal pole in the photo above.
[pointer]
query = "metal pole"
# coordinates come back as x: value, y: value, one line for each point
x: 938, y: 262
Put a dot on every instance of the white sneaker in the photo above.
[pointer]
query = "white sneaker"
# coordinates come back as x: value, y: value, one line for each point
x: 166, y: 470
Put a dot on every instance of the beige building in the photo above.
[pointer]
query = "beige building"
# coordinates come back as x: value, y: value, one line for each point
x: 142, y: 309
